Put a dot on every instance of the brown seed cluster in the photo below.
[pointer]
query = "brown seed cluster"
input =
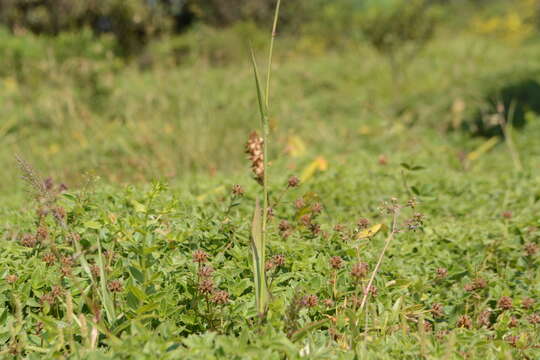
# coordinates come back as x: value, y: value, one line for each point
x: 531, y: 249
x: 359, y: 270
x: 363, y: 223
x: 477, y: 284
x: 220, y: 297
x: 309, y: 301
x: 505, y: 303
x: 442, y: 273
x: 328, y: 303
x: 437, y: 310
x: 206, y: 271
x: 285, y: 228
x: 254, y: 149
x: 336, y: 262
x: 527, y: 303
x: 11, y: 278
x: 464, y: 321
x: 200, y: 256
x: 49, y: 258
x: 206, y: 286
x: 484, y: 319
x: 534, y: 319
x: 371, y: 290
x: 275, y: 262
x: 28, y: 240
x: 115, y: 286
x: 293, y: 182
x: 237, y: 190
x: 94, y: 269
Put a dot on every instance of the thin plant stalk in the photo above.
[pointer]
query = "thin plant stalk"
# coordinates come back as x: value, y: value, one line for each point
x: 379, y: 262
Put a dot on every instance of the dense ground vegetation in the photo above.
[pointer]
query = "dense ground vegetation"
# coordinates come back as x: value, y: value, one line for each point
x: 138, y: 245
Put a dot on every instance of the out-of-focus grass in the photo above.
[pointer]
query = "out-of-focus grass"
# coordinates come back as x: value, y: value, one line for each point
x: 75, y: 115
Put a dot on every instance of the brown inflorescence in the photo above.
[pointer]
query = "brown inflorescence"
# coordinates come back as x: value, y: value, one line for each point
x: 359, y: 270
x: 49, y: 258
x: 442, y: 272
x: 254, y: 149
x: 11, y: 278
x: 484, y: 318
x: 221, y: 297
x: 371, y: 290
x: 28, y: 240
x: 505, y: 303
x: 115, y: 286
x: 464, y: 321
x: 206, y: 271
x: 527, y: 303
x: 278, y: 260
x: 437, y: 310
x: 42, y: 233
x: 534, y: 319
x: 200, y: 256
x: 531, y: 249
x: 316, y: 208
x: 336, y: 262
x: 293, y: 182
x: 309, y: 301
x: 237, y: 190
x: 363, y: 223
x: 206, y: 286
x: 94, y: 269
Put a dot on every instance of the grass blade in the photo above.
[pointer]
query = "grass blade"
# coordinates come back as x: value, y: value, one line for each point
x: 257, y: 245
x: 105, y: 296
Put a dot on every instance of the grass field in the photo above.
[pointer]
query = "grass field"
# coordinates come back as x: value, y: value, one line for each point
x: 147, y: 253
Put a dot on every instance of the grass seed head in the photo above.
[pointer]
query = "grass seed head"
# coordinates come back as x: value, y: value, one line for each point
x: 254, y: 149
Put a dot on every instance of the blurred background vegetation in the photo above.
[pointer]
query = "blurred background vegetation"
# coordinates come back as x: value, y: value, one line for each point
x: 136, y: 89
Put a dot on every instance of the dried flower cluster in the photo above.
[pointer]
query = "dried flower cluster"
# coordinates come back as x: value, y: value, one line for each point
x: 254, y: 149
